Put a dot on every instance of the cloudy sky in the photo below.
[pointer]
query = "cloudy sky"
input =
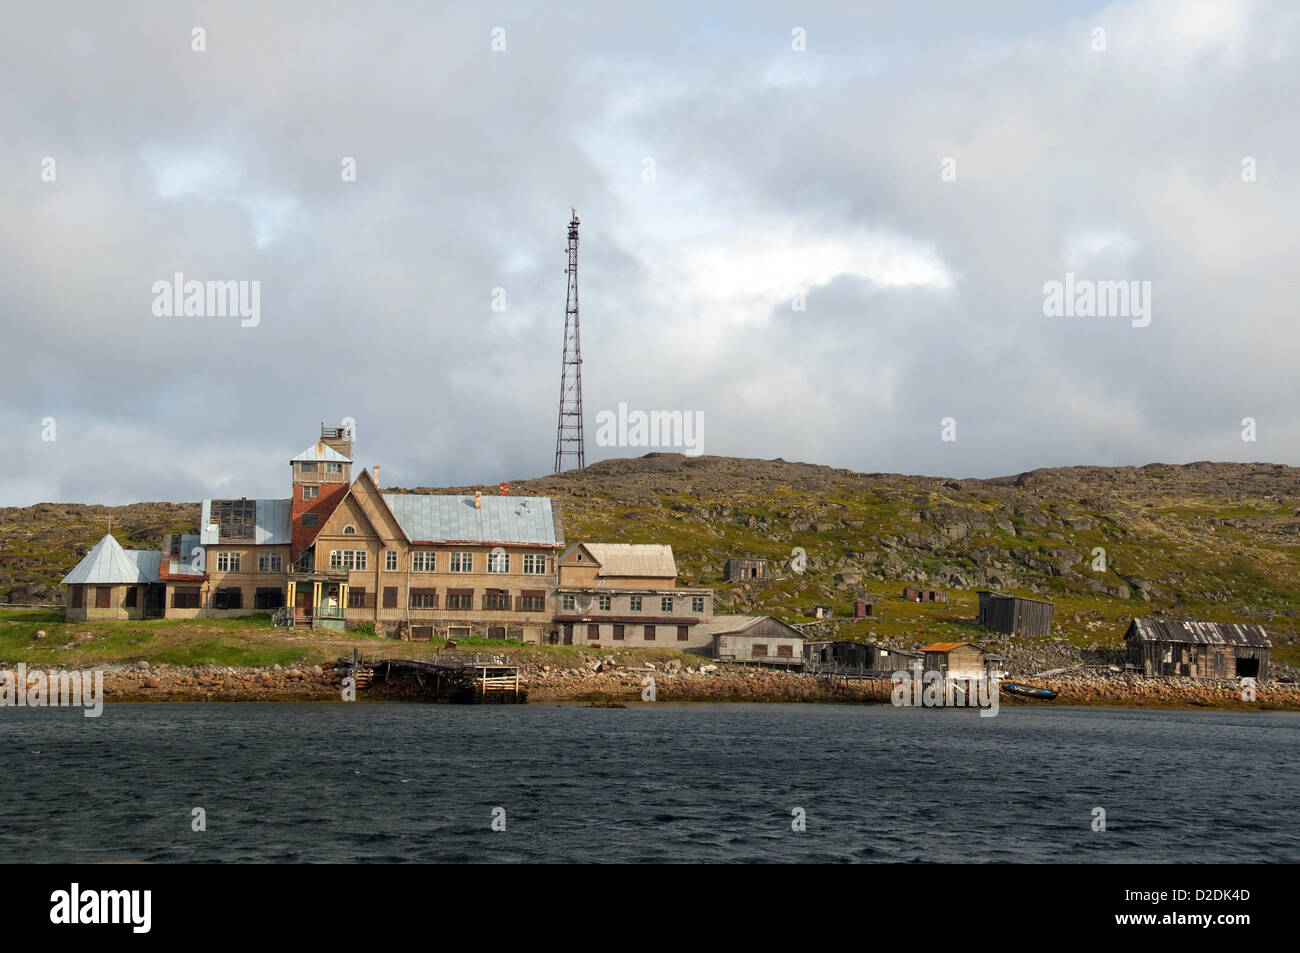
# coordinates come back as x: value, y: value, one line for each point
x: 911, y: 178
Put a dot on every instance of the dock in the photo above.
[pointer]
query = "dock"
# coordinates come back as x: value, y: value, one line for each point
x: 461, y: 677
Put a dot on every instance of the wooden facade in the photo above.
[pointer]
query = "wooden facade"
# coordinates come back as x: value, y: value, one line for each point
x: 1014, y: 615
x: 756, y: 640
x: 857, y: 658
x: 921, y: 594
x: 956, y: 660
x: 745, y: 569
x: 1198, y: 649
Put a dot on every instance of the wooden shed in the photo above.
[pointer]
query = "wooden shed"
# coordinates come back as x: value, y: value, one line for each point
x: 857, y: 658
x: 920, y: 594
x: 745, y: 570
x: 955, y: 659
x: 756, y: 640
x: 1198, y: 649
x: 1014, y: 615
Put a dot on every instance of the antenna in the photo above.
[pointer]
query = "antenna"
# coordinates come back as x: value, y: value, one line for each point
x: 568, y: 431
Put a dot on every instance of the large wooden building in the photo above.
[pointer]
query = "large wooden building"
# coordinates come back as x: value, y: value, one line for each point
x: 626, y: 594
x: 1198, y: 649
x: 1014, y: 615
x: 857, y: 658
x: 755, y: 640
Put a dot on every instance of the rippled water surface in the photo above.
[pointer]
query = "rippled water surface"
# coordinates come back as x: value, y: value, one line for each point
x: 376, y: 782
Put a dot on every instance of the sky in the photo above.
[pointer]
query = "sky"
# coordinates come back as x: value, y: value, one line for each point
x: 826, y: 232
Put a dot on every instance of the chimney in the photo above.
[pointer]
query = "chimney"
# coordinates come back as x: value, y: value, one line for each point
x: 478, y: 499
x: 377, y: 483
x: 505, y: 487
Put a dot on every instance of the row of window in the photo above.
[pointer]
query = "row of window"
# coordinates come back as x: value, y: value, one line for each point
x: 330, y: 467
x: 266, y: 562
x: 422, y: 560
x: 492, y: 600
x: 604, y: 603
x: 649, y: 633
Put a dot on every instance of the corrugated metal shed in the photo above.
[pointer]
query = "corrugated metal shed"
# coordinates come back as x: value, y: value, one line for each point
x: 272, y: 523
x: 108, y: 563
x: 634, y: 559
x: 320, y: 453
x: 1203, y: 633
x: 434, y: 518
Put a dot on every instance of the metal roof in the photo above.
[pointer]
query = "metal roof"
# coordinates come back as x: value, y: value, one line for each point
x: 431, y: 518
x: 633, y: 559
x: 1205, y: 633
x: 738, y: 624
x: 320, y: 453
x: 108, y: 563
x: 272, y: 521
x: 948, y: 646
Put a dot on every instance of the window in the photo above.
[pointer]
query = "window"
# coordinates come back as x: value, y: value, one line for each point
x: 649, y: 633
x: 78, y: 597
x: 496, y: 632
x: 605, y: 602
x: 333, y: 468
x: 185, y: 597
x: 390, y: 560
x: 634, y: 603
x: 462, y: 562
x: 593, y: 633
x: 534, y: 564
x: 421, y: 561
x: 460, y: 598
x: 306, y: 468
x: 132, y: 594
x: 357, y: 597
x: 568, y: 602
x: 618, y: 633
x: 666, y: 604
x: 683, y: 633
x: 349, y: 530
x: 348, y: 559
x: 103, y: 597
x: 266, y: 598
x: 310, y: 519
x: 785, y: 651
x: 697, y: 604
x: 759, y: 650
x: 533, y: 601
x: 230, y: 598
x: 269, y: 562
x: 496, y: 599
x: 424, y: 598
x: 310, y: 492
x: 390, y: 597
x: 227, y: 562
x: 498, y: 561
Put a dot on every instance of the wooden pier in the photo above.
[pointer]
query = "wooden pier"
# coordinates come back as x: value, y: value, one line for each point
x: 463, y: 677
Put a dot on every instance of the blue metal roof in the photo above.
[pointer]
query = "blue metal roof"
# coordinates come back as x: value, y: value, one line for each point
x: 428, y: 518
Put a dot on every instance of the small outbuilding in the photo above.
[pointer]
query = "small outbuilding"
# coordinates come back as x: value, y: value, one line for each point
x: 1014, y: 615
x: 919, y: 594
x: 756, y: 640
x: 959, y: 660
x: 855, y: 658
x: 114, y: 583
x: 745, y: 570
x: 1198, y: 649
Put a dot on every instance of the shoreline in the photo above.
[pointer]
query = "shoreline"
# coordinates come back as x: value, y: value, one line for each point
x: 612, y: 685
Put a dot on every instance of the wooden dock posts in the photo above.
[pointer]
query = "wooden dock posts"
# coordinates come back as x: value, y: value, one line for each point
x: 462, y: 677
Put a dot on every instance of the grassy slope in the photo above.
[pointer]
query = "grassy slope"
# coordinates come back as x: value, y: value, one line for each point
x: 1206, y: 541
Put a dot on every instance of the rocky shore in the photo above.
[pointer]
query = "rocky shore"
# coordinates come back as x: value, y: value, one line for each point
x: 601, y: 680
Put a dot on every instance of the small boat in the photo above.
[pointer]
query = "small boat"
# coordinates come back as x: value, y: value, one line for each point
x: 1028, y: 691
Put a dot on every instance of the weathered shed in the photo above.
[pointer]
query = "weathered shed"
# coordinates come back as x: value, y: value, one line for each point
x: 1198, y: 649
x: 920, y: 594
x: 857, y: 657
x: 745, y: 570
x: 864, y: 607
x: 756, y: 640
x: 955, y: 659
x: 1014, y: 615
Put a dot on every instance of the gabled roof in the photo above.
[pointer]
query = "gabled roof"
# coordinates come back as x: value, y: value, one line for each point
x: 632, y: 559
x: 439, y: 518
x: 108, y: 563
x: 1204, y: 633
x: 948, y: 646
x: 320, y: 453
x: 271, y: 523
x: 737, y: 624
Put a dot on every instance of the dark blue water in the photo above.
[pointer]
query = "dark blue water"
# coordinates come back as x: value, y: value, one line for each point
x: 650, y: 783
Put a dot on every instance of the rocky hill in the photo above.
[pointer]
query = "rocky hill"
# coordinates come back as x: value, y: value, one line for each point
x: 1205, y: 540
